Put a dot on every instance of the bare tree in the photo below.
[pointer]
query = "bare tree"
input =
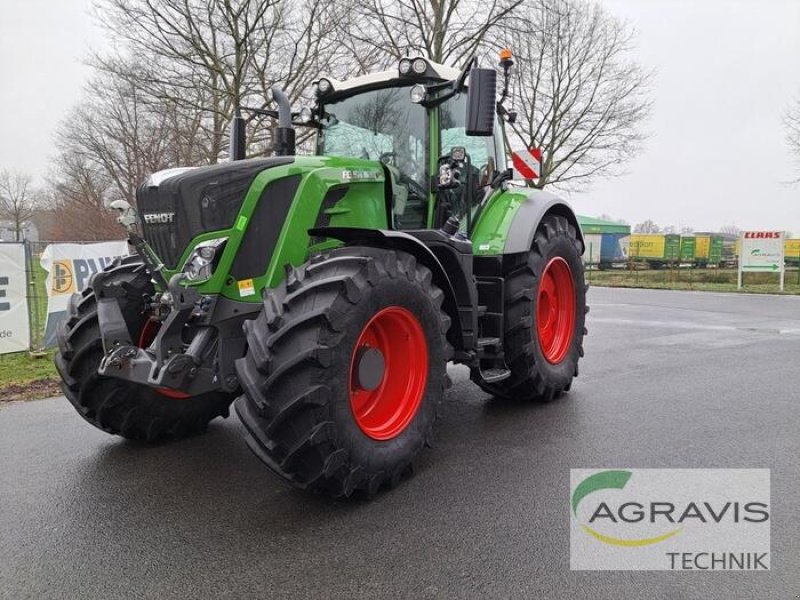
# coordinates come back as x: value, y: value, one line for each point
x: 607, y: 217
x: 18, y: 201
x: 229, y: 52
x: 446, y: 31
x: 648, y: 226
x: 120, y: 131
x: 792, y: 122
x: 580, y: 97
x: 79, y: 190
x: 730, y: 229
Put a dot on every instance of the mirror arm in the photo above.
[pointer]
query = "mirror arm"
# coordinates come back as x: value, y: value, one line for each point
x: 452, y: 87
x: 263, y: 112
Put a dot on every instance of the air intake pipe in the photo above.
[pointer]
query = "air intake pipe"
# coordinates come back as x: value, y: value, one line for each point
x: 284, y: 142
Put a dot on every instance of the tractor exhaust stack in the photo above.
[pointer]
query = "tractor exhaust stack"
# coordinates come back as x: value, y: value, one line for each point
x: 284, y: 142
x: 238, y: 145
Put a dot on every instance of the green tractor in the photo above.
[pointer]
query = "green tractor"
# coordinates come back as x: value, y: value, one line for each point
x: 324, y: 295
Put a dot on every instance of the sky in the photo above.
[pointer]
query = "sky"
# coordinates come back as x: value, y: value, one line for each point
x: 725, y: 70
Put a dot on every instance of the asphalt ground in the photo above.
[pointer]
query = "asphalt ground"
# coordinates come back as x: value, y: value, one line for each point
x: 670, y: 379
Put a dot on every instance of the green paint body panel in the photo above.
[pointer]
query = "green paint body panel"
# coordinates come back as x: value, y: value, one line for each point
x: 520, y: 207
x: 362, y: 206
x: 491, y: 230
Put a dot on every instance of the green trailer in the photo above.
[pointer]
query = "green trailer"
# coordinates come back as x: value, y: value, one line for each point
x: 655, y: 249
x: 688, y: 244
x: 708, y: 250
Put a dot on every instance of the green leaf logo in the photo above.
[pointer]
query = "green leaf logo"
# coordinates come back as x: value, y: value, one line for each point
x: 599, y: 481
x: 611, y: 480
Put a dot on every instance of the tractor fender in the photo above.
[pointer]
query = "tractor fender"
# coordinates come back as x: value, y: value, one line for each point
x: 539, y: 203
x: 398, y: 240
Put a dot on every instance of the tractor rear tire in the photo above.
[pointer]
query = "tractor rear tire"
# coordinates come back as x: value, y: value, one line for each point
x: 116, y: 406
x: 345, y: 368
x: 545, y: 314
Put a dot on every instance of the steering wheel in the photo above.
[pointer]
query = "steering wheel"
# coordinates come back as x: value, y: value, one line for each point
x: 385, y: 158
x: 411, y: 184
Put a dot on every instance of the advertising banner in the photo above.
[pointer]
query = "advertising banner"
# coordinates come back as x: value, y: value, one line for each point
x: 69, y: 267
x: 14, y: 326
x: 761, y: 252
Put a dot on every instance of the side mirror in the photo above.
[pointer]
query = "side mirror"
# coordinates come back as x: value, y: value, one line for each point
x: 481, y: 102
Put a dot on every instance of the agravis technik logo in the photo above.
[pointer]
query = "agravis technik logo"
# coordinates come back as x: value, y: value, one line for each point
x: 682, y: 519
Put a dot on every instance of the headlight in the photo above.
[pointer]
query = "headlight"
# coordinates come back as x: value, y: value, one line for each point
x: 405, y: 66
x: 201, y: 262
x: 418, y: 93
x: 420, y: 66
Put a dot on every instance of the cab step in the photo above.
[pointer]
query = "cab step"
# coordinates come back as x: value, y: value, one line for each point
x: 495, y: 375
x: 488, y: 341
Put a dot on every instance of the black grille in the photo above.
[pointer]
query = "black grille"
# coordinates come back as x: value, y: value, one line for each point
x: 323, y: 218
x: 264, y: 227
x: 195, y: 201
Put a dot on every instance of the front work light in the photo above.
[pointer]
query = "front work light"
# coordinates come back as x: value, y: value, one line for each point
x: 200, y: 265
x: 418, y: 93
x: 405, y: 66
x: 420, y: 65
x: 324, y: 86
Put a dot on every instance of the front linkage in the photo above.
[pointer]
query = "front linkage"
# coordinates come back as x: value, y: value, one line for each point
x: 160, y: 361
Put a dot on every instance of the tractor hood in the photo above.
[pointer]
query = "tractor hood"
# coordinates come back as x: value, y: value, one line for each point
x: 178, y: 204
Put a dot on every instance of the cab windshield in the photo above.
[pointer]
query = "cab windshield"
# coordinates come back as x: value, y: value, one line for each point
x: 379, y: 125
x: 383, y: 125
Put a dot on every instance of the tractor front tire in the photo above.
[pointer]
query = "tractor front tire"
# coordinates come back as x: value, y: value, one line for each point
x: 116, y: 406
x: 346, y: 365
x: 545, y: 314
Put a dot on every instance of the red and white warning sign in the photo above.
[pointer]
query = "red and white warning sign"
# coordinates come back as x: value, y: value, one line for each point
x: 527, y: 163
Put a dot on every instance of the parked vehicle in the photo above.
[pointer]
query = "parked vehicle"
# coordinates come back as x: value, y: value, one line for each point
x: 688, y: 243
x: 614, y: 249
x: 657, y: 250
x: 708, y: 250
x: 791, y: 252
x: 326, y: 294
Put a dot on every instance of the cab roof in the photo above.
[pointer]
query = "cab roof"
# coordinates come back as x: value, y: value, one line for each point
x: 436, y: 71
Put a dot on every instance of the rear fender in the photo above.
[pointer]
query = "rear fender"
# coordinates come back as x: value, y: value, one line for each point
x: 509, y: 223
x: 538, y: 205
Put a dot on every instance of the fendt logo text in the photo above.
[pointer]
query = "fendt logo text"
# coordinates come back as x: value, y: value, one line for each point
x: 162, y: 218
x: 673, y: 519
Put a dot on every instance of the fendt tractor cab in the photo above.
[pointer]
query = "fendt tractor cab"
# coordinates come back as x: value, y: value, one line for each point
x: 326, y: 294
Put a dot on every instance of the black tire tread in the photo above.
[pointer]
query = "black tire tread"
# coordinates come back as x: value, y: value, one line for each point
x: 527, y: 381
x: 113, y: 405
x: 286, y: 404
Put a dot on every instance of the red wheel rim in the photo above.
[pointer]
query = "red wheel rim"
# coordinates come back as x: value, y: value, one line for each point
x: 555, y: 310
x: 146, y: 336
x: 384, y: 412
